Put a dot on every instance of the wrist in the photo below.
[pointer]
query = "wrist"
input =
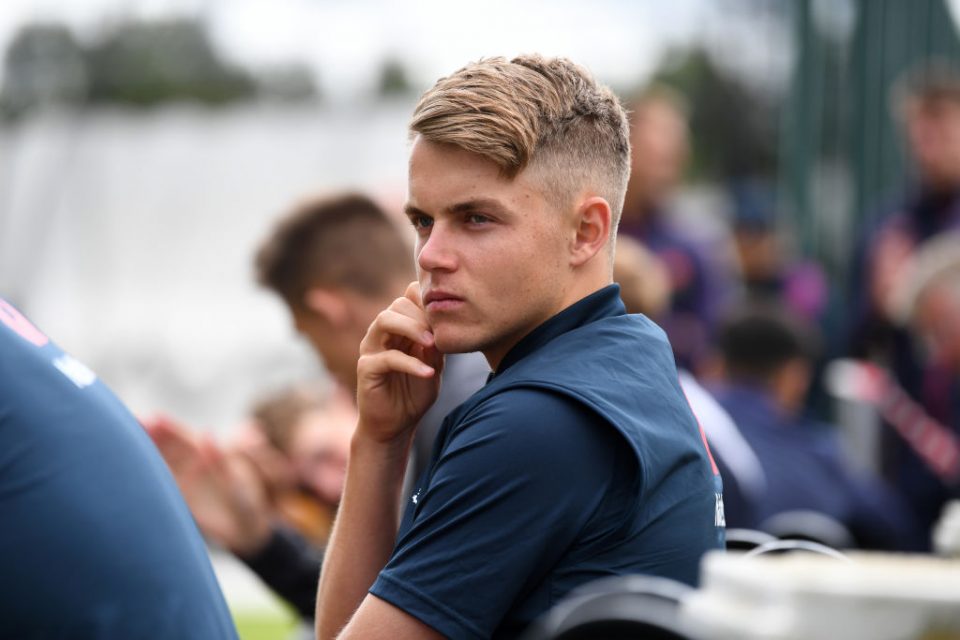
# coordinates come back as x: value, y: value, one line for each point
x: 377, y: 457
x: 386, y: 442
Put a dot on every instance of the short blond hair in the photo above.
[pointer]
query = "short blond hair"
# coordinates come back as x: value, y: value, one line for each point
x: 547, y: 114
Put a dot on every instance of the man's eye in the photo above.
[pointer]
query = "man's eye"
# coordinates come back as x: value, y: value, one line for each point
x: 476, y: 218
x: 421, y: 222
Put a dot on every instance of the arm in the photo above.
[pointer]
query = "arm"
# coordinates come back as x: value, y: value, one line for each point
x: 397, y: 381
x: 224, y: 493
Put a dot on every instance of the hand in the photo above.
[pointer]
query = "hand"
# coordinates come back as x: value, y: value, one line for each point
x: 398, y: 373
x: 274, y: 469
x: 224, y: 493
x: 891, y: 266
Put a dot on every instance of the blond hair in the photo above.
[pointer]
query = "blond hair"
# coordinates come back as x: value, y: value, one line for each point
x: 545, y: 114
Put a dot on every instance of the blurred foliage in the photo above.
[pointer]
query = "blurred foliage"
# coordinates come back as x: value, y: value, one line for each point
x: 145, y: 63
x: 734, y: 126
x: 43, y: 65
x: 393, y: 79
x: 290, y: 83
x: 137, y: 64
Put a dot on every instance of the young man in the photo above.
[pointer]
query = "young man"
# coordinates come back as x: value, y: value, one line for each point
x: 579, y: 458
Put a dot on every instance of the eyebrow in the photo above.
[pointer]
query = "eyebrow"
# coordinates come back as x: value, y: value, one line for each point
x: 478, y: 204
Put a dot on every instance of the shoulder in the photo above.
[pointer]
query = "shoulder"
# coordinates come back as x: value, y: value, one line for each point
x: 533, y: 424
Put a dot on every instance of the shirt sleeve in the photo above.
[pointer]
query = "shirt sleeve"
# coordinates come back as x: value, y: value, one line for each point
x: 289, y: 566
x: 515, y: 485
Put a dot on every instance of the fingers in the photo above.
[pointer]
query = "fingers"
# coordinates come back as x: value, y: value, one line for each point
x: 402, y: 320
x: 393, y: 361
x: 413, y: 294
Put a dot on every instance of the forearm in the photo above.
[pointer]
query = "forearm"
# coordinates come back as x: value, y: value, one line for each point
x: 364, y: 532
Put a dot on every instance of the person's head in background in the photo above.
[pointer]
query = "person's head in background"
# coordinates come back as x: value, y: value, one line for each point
x: 311, y: 425
x: 336, y: 262
x: 927, y: 101
x: 770, y: 270
x: 764, y: 348
x: 643, y: 279
x: 928, y: 300
x: 659, y: 143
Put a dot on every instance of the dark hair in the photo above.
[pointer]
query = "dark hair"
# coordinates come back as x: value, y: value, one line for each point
x: 934, y: 81
x: 341, y: 241
x: 758, y: 341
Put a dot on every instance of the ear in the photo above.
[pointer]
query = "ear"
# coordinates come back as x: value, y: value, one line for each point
x: 329, y: 304
x: 592, y: 226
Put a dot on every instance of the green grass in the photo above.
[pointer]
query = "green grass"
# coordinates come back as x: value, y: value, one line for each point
x: 264, y: 626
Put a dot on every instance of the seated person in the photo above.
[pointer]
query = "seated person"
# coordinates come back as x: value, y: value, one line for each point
x: 282, y: 479
x: 765, y: 363
x: 95, y: 541
x: 927, y: 455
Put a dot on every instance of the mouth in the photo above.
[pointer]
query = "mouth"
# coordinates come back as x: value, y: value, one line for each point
x: 438, y: 300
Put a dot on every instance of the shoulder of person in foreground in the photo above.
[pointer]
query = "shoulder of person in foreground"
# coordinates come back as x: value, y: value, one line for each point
x: 72, y: 459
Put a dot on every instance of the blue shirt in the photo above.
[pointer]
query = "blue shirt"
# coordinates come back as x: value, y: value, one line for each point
x: 805, y: 470
x: 579, y: 459
x: 95, y: 540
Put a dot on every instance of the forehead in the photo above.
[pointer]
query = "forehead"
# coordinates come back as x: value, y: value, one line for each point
x: 442, y: 175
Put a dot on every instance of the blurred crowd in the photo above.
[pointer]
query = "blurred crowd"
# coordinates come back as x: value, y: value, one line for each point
x: 762, y: 359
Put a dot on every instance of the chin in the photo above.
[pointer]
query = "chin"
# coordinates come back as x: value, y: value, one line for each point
x: 448, y: 341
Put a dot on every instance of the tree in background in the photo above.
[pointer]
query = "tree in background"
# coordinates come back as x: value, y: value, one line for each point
x: 137, y: 64
x: 146, y: 63
x: 44, y: 65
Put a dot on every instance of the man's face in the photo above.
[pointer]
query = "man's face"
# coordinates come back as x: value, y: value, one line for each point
x: 338, y: 349
x: 658, y: 145
x: 933, y: 131
x: 492, y: 254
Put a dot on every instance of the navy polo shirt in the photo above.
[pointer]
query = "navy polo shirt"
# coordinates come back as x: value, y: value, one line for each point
x: 95, y: 540
x: 579, y: 459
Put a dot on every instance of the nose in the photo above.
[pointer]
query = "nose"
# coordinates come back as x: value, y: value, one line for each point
x: 436, y: 252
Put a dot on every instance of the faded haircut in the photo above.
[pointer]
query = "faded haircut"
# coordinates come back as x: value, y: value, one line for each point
x: 344, y: 241
x: 547, y: 115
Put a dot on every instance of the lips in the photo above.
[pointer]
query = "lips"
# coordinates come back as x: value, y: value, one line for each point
x: 439, y: 300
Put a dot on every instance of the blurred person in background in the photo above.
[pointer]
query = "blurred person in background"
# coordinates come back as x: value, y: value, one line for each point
x: 645, y: 288
x: 270, y: 496
x: 769, y: 271
x: 337, y: 262
x: 96, y: 541
x: 766, y: 359
x: 927, y: 102
x: 928, y: 302
x: 579, y: 458
x: 700, y: 280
